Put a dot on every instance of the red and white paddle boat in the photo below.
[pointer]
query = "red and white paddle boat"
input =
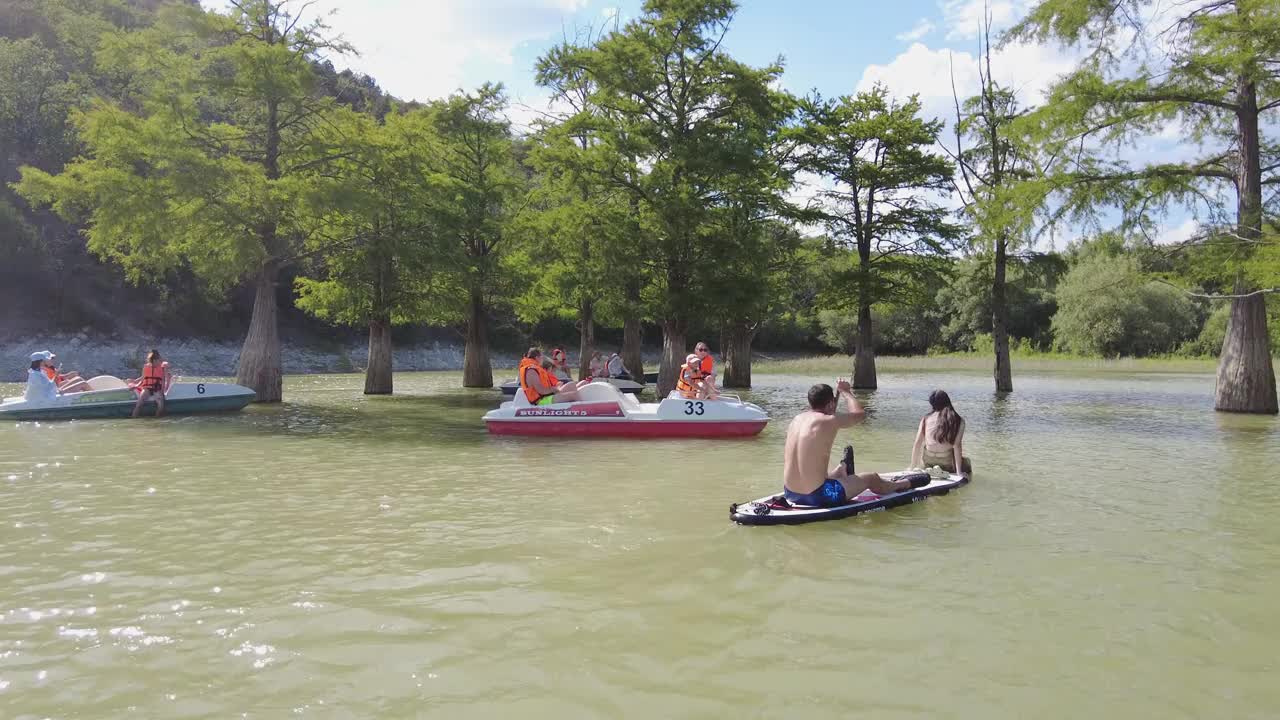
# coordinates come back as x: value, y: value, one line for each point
x: 604, y: 411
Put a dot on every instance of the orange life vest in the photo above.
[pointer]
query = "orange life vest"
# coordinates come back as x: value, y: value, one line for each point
x: 52, y: 373
x: 544, y: 377
x: 708, y: 365
x: 686, y: 379
x: 153, y: 376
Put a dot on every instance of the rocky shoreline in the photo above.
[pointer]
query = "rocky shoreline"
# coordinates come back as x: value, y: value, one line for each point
x: 203, y: 358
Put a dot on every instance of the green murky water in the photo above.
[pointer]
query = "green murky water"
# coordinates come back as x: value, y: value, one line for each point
x: 1117, y: 556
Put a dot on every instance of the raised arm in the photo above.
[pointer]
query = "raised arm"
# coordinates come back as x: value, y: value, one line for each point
x: 853, y: 412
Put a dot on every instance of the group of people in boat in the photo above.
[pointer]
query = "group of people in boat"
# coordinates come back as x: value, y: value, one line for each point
x: 808, y: 481
x: 45, y: 381
x: 546, y: 380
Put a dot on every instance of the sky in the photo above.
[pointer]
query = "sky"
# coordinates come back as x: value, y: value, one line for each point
x: 424, y: 49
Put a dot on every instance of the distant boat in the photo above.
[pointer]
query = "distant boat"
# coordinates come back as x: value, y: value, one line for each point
x: 109, y: 396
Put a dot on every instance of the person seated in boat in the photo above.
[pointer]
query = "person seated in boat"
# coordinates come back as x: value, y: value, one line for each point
x: 540, y: 386
x: 691, y: 383
x: 596, y: 366
x: 67, y: 382
x: 153, y: 384
x: 940, y: 437
x: 40, y: 387
x: 615, y: 369
x: 560, y: 365
x: 806, y: 478
x: 707, y: 366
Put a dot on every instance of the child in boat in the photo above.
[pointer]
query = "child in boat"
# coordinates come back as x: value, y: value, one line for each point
x: 67, y: 382
x: 596, y: 366
x: 153, y: 384
x: 940, y: 437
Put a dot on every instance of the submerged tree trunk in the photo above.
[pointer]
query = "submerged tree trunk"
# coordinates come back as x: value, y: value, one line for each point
x: 476, y: 371
x: 673, y: 354
x: 631, y: 333
x: 1246, y: 379
x: 1000, y: 322
x: 586, y: 319
x: 864, y: 357
x: 737, y: 355
x: 377, y: 376
x: 259, y: 365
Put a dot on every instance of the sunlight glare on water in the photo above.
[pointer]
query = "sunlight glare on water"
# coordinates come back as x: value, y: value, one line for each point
x: 1116, y: 556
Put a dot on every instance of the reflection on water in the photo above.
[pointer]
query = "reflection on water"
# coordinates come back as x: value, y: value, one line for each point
x: 342, y: 556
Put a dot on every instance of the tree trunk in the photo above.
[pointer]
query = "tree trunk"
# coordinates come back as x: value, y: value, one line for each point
x: 1000, y: 322
x: 864, y: 358
x: 1246, y: 380
x: 586, y: 316
x: 476, y: 371
x: 673, y: 354
x: 259, y: 365
x: 631, y: 334
x: 377, y: 376
x: 737, y: 355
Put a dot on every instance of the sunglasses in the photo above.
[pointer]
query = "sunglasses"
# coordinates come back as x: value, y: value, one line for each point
x: 702, y: 350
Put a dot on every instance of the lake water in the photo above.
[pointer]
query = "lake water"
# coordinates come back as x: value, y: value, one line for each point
x: 1117, y: 556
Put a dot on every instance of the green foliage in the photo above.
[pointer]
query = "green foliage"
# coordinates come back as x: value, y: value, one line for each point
x: 965, y: 302
x: 878, y: 153
x: 898, y: 329
x: 1106, y: 307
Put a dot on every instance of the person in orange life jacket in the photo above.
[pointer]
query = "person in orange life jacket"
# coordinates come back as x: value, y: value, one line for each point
x: 153, y: 384
x: 560, y: 365
x: 67, y: 382
x: 540, y: 386
x: 707, y: 366
x: 690, y: 382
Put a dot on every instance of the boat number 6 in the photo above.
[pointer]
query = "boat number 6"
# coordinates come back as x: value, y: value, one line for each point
x: 200, y: 388
x: 689, y: 407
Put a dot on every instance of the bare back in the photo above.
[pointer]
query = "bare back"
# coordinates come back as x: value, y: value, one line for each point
x: 808, y: 450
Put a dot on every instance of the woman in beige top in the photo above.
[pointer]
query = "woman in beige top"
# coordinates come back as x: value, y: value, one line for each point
x: 940, y: 438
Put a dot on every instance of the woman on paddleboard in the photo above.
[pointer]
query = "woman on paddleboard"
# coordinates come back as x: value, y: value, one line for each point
x: 940, y: 437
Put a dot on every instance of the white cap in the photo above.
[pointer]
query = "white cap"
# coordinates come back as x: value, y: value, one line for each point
x: 42, y: 355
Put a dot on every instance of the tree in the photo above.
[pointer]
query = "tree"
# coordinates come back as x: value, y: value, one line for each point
x: 1107, y: 307
x: 212, y: 165
x: 477, y: 176
x: 393, y: 267
x: 989, y: 188
x: 877, y: 155
x: 1209, y: 78
x: 673, y: 104
x: 965, y: 303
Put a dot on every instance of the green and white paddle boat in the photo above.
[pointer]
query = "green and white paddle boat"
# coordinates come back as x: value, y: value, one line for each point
x: 109, y: 396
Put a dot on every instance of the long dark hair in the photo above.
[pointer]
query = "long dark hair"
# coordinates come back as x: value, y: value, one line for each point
x: 949, y: 420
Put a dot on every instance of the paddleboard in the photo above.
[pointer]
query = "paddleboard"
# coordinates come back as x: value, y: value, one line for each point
x: 776, y: 510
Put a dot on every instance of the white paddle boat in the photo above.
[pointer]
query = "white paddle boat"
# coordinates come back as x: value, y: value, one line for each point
x: 605, y: 411
x: 109, y: 396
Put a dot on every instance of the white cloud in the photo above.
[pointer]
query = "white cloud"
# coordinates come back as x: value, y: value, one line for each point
x: 1028, y: 69
x: 964, y: 18
x: 419, y: 49
x: 922, y: 28
x: 1180, y: 233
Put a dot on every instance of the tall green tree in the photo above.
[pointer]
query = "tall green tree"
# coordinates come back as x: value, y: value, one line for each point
x: 885, y: 180
x: 673, y: 103
x: 992, y: 164
x: 389, y: 264
x: 1204, y: 71
x: 476, y: 173
x: 212, y: 164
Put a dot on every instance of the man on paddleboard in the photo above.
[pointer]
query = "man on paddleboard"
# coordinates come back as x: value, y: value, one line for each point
x: 806, y: 478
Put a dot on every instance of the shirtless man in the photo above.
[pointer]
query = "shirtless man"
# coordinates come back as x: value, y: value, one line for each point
x: 806, y: 479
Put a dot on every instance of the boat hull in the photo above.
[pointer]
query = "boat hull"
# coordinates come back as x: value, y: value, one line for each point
x: 627, y: 428
x: 183, y: 399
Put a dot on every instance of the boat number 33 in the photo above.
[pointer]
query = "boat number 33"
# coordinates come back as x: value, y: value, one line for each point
x: 693, y: 408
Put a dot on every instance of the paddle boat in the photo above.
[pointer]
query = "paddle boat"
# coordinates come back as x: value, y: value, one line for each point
x: 606, y: 411
x: 109, y: 396
x: 627, y: 386
x: 777, y: 510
